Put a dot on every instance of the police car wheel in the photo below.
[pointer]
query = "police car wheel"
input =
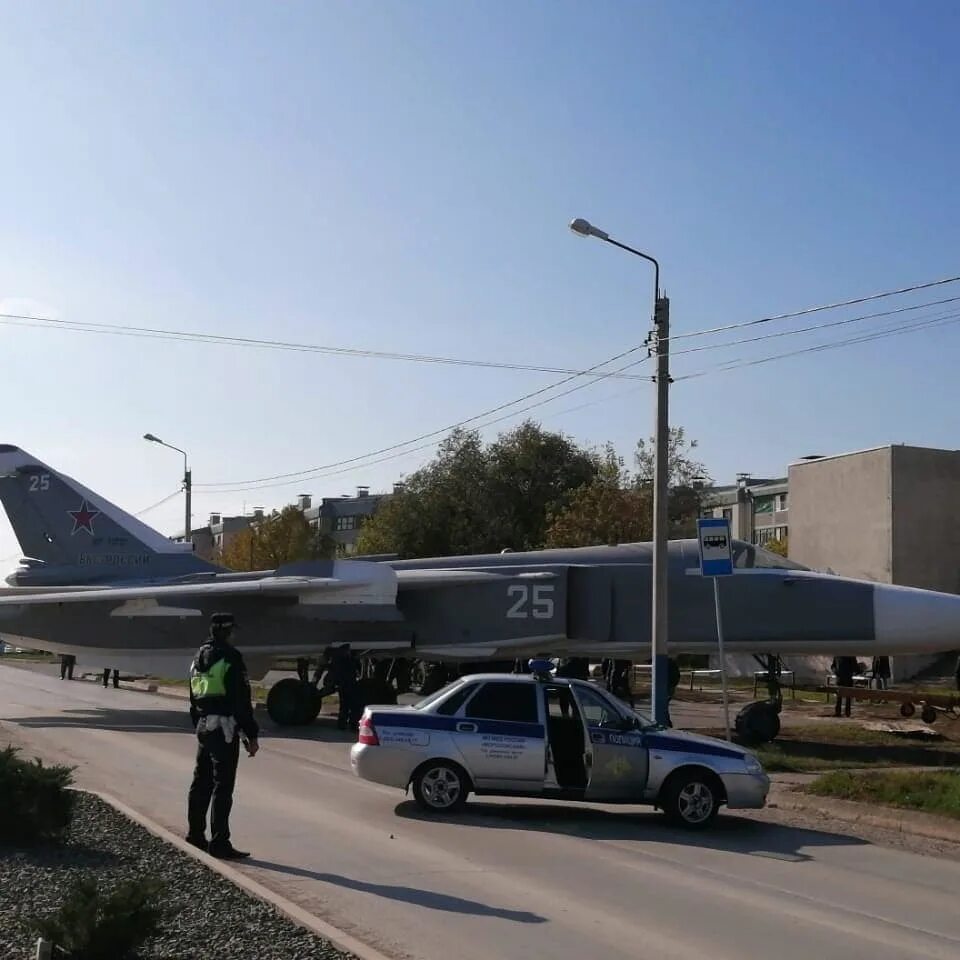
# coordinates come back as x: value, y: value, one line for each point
x: 440, y: 787
x: 691, y: 800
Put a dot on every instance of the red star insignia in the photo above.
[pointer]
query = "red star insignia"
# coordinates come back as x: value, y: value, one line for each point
x: 83, y: 518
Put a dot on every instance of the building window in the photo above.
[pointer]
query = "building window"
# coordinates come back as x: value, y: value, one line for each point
x: 763, y: 505
x: 346, y: 523
x: 728, y: 514
x: 781, y: 503
x: 765, y: 535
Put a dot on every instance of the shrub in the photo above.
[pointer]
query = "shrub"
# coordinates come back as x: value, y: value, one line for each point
x: 95, y: 925
x: 35, y: 802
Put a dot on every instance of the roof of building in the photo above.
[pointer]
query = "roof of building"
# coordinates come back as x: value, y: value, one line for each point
x: 727, y: 493
x: 346, y: 506
x: 804, y: 461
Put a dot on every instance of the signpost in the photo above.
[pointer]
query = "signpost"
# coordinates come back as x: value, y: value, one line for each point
x: 716, y: 560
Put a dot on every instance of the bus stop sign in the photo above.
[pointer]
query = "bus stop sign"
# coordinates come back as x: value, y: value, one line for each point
x: 716, y: 552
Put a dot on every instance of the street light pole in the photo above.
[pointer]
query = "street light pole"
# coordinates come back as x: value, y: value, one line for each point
x: 661, y: 517
x: 187, y: 485
x: 660, y: 344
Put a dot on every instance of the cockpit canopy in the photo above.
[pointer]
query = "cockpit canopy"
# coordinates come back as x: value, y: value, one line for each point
x: 748, y: 556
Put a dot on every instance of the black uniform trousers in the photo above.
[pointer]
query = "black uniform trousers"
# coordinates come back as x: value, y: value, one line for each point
x: 348, y: 712
x: 214, y: 776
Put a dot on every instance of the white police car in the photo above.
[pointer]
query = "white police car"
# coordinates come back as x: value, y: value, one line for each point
x: 533, y: 735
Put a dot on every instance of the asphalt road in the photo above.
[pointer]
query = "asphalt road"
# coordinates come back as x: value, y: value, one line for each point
x: 530, y: 880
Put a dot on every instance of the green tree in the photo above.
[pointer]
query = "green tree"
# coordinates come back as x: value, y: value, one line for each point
x: 476, y: 498
x: 683, y: 470
x: 779, y: 546
x: 611, y: 509
x: 284, y: 536
x: 617, y: 507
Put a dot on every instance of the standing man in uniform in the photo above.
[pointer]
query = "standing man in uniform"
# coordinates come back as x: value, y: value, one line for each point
x: 221, y: 711
x: 342, y: 676
x: 881, y: 672
x: 844, y: 668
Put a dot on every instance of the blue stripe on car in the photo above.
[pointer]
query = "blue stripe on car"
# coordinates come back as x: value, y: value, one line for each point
x: 429, y: 721
x: 678, y: 745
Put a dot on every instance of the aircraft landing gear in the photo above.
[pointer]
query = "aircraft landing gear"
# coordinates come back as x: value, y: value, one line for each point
x: 293, y: 703
x: 759, y: 722
x: 296, y: 702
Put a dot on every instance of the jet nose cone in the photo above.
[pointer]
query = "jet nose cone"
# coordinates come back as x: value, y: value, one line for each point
x: 909, y: 620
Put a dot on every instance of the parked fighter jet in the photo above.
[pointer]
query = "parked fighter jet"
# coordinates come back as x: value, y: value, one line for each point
x: 97, y: 583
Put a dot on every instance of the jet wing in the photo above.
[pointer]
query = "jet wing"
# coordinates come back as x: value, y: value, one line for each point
x: 451, y: 577
x: 359, y: 584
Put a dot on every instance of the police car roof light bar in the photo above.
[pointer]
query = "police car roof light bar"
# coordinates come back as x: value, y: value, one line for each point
x: 541, y: 669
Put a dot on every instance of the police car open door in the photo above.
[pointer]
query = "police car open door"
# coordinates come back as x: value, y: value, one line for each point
x: 616, y: 756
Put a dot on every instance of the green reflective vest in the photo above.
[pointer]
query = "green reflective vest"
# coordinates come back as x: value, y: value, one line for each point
x: 212, y: 683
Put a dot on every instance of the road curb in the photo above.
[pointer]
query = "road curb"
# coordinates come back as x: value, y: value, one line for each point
x: 912, y: 822
x: 339, y: 938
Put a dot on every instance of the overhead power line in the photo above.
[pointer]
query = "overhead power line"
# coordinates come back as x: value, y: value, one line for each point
x: 830, y: 345
x: 347, y: 466
x: 162, y: 333
x: 121, y: 330
x: 159, y: 503
x: 922, y: 323
x: 815, y: 326
x: 819, y: 309
x: 321, y: 471
x: 595, y: 373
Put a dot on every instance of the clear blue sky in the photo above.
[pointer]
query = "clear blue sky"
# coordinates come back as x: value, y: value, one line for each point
x: 399, y: 176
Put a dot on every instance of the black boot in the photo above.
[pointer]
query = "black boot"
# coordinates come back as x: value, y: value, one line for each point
x: 227, y: 851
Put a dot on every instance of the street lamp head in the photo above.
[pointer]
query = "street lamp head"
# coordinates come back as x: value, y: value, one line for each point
x: 584, y: 228
x: 152, y: 438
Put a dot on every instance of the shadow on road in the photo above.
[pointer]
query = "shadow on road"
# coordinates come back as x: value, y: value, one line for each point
x: 107, y: 718
x: 322, y: 730
x: 729, y: 832
x: 421, y: 898
x: 173, y: 720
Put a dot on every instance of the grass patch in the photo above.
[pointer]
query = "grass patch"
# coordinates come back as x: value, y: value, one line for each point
x: 843, y: 732
x: 805, y: 698
x: 933, y: 792
x: 823, y: 746
x: 776, y: 759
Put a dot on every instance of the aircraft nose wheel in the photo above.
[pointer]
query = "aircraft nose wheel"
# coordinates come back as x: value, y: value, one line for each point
x: 293, y: 703
x: 758, y: 722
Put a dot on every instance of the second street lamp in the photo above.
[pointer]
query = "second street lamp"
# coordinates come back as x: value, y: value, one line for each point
x: 660, y: 343
x: 187, y: 484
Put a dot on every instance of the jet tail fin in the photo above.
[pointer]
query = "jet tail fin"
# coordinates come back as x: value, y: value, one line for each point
x: 60, y: 522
